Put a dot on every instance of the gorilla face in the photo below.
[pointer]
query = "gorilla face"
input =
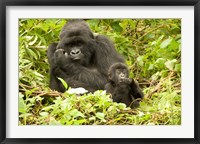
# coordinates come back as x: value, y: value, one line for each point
x: 121, y: 74
x: 118, y: 73
x: 77, y: 46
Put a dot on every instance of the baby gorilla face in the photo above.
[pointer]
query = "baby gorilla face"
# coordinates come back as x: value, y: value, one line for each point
x: 121, y: 74
x: 118, y: 73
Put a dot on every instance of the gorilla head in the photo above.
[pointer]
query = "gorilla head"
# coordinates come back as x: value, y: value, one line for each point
x: 118, y: 72
x: 76, y: 28
x: 77, y: 42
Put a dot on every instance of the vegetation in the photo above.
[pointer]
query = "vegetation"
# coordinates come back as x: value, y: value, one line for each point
x: 152, y: 48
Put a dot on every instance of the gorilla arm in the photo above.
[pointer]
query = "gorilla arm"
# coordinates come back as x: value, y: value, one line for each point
x: 55, y: 71
x: 136, y: 90
x: 112, y: 90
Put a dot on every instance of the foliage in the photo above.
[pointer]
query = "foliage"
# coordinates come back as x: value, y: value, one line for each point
x: 152, y: 49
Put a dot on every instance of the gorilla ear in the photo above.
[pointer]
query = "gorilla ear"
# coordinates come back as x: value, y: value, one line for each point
x: 109, y: 76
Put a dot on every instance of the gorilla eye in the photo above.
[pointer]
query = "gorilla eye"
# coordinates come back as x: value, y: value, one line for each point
x: 79, y: 44
x: 118, y: 71
x: 68, y: 45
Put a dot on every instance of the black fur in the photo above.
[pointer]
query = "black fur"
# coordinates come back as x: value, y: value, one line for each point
x: 80, y: 58
x: 123, y: 88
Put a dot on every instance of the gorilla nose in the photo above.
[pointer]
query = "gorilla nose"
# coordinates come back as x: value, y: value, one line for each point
x: 122, y: 75
x: 75, y: 52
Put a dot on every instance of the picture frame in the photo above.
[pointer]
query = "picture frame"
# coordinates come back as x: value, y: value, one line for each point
x: 5, y: 3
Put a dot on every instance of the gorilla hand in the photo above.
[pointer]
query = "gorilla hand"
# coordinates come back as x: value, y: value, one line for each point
x: 126, y: 80
x: 61, y: 57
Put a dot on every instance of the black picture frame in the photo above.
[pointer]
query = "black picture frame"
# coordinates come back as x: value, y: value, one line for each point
x: 5, y: 3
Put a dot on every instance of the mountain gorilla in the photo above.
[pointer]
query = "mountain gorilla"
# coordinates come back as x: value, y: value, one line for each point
x: 80, y: 58
x: 122, y: 88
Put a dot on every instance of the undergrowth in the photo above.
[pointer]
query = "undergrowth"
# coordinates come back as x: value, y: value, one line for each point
x: 152, y: 49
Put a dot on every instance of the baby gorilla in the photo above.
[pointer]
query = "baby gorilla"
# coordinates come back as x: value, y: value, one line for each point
x: 123, y: 88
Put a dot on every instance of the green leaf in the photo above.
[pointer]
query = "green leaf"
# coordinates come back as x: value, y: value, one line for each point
x: 53, y: 121
x: 32, y: 53
x: 121, y: 105
x: 151, y: 66
x: 48, y: 108
x: 132, y: 24
x: 34, y: 41
x: 177, y: 67
x: 79, y: 122
x: 44, y: 114
x: 166, y: 42
x: 170, y: 64
x: 140, y: 60
x: 38, y: 74
x: 28, y: 38
x: 75, y: 113
x: 63, y: 82
x: 117, y: 27
x: 100, y: 115
x: 22, y: 105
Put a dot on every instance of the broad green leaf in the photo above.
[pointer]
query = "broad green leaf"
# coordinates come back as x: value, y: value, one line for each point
x: 140, y: 60
x: 166, y: 42
x: 151, y: 67
x: 170, y: 64
x: 32, y: 53
x: 100, y: 115
x: 117, y: 27
x: 75, y: 113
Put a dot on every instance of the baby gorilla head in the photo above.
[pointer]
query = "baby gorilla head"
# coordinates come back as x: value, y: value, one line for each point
x: 118, y: 73
x: 121, y: 74
x: 77, y: 42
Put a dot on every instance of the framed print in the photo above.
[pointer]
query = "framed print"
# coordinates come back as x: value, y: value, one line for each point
x: 99, y: 71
